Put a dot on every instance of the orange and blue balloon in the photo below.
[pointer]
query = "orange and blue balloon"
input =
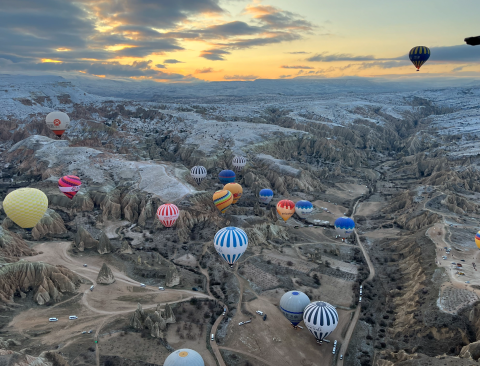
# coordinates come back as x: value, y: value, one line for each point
x: 477, y: 239
x: 223, y: 200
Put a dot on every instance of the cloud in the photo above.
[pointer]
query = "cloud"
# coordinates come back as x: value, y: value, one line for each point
x: 235, y: 28
x: 298, y: 53
x: 279, y: 19
x: 205, y: 70
x: 284, y: 76
x: 214, y: 54
x: 172, y: 61
x: 453, y: 54
x: 324, y: 57
x: 240, y: 77
x: 296, y: 67
x: 160, y: 66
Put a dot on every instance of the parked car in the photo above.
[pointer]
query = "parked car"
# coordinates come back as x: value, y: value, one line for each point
x: 53, y: 320
x: 246, y: 322
x: 92, y: 287
x: 264, y: 317
x: 72, y: 317
x: 341, y: 357
x: 90, y: 331
x: 335, y: 342
x: 241, y: 323
x: 360, y: 299
x: 462, y: 260
x: 143, y: 285
x: 194, y: 289
x: 259, y: 312
x: 84, y: 265
x: 299, y: 326
x: 161, y: 288
x: 213, y: 337
x: 84, y: 332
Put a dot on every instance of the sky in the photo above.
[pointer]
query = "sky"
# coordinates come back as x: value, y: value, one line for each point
x: 227, y: 40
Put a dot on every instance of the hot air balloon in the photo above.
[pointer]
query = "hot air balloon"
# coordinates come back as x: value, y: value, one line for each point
x: 419, y: 55
x: 236, y: 189
x: 344, y: 226
x: 321, y: 319
x: 69, y: 185
x: 25, y: 206
x: 58, y: 122
x: 239, y: 162
x: 222, y: 199
x: 231, y: 242
x: 227, y: 176
x: 265, y: 195
x: 184, y: 357
x: 198, y: 173
x: 168, y: 214
x: 285, y: 209
x: 292, y: 305
x: 303, y: 208
x: 477, y: 239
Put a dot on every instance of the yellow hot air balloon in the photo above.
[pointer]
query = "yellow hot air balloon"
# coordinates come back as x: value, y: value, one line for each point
x: 236, y: 190
x: 477, y: 239
x: 285, y: 209
x: 222, y: 199
x: 25, y: 206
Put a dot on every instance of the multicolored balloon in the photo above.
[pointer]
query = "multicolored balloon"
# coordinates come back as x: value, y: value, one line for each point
x: 25, y: 206
x: 321, y: 319
x: 265, y: 195
x: 236, y: 190
x: 239, y: 162
x: 285, y: 209
x: 167, y: 214
x: 222, y: 200
x: 303, y: 208
x: 198, y: 173
x: 58, y: 122
x: 184, y: 357
x: 344, y: 226
x: 231, y: 242
x: 227, y: 176
x: 419, y: 55
x: 292, y: 305
x: 477, y: 239
x: 69, y: 185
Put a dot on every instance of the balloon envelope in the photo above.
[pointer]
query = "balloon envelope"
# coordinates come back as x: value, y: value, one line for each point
x: 239, y: 162
x: 321, y: 319
x: 419, y: 55
x: 222, y: 200
x: 227, y: 176
x: 25, y: 206
x: 292, y: 305
x: 236, y: 189
x: 69, y: 185
x: 184, y: 357
x: 477, y: 239
x: 265, y: 195
x: 198, y: 173
x: 285, y: 209
x: 303, y: 208
x: 344, y: 226
x: 231, y: 242
x: 58, y: 122
x: 168, y: 214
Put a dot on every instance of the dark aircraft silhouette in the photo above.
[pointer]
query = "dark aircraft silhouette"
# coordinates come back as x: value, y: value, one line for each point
x: 473, y: 41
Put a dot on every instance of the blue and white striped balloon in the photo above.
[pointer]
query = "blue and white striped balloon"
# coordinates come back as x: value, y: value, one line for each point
x: 230, y: 242
x: 303, y: 208
x: 344, y: 226
x: 265, y: 195
x: 321, y: 319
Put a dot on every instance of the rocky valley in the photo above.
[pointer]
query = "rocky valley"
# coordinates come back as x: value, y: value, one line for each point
x: 404, y: 164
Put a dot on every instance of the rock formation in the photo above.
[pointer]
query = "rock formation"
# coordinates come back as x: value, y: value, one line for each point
x: 138, y: 317
x: 173, y: 277
x: 12, y: 245
x: 47, y: 358
x: 83, y: 239
x: 105, y: 276
x: 126, y: 248
x: 153, y: 322
x: 51, y: 223
x: 104, y: 245
x: 168, y: 315
x: 471, y: 351
x: 46, y: 281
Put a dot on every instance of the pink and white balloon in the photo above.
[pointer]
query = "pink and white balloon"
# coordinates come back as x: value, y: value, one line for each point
x: 168, y: 214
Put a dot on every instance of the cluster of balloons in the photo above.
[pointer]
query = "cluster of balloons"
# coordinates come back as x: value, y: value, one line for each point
x: 287, y: 208
x: 320, y: 317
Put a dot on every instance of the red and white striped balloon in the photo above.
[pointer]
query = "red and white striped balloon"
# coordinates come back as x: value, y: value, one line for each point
x: 168, y: 214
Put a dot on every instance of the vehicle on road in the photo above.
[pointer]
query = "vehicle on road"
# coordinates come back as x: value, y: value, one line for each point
x: 84, y: 265
x: 241, y: 323
x: 223, y: 313
x: 361, y: 286
x: 90, y: 331
x: 72, y: 317
x: 92, y: 287
x: 213, y: 337
x: 161, y: 288
x: 341, y: 357
x: 246, y: 322
x: 462, y: 260
x: 84, y: 332
x: 444, y: 257
x: 299, y: 326
x: 53, y: 320
x: 360, y: 299
x: 335, y: 342
x: 264, y: 317
x: 360, y: 291
x: 143, y: 285
x: 259, y: 312
x: 194, y: 289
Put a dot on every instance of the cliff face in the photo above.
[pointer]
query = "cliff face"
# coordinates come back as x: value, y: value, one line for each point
x: 12, y: 245
x: 47, y: 282
x: 47, y: 358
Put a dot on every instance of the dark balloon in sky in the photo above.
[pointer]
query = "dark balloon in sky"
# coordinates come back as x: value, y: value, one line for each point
x: 419, y: 55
